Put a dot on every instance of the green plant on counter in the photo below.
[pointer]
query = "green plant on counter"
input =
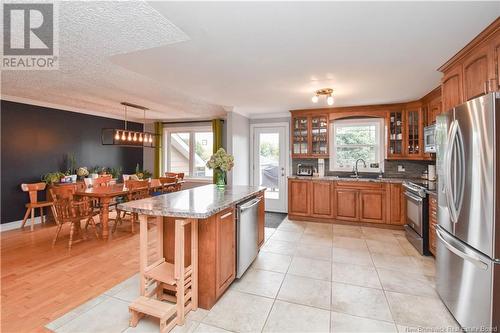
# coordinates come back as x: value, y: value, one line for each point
x: 142, y: 174
x: 70, y: 164
x: 52, y: 177
x: 115, y: 172
x: 95, y: 169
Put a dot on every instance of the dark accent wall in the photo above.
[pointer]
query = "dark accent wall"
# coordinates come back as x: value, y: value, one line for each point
x: 35, y: 141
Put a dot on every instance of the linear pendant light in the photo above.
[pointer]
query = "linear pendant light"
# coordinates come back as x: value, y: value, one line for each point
x: 126, y: 137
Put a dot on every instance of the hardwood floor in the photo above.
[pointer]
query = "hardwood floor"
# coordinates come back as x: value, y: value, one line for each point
x: 40, y: 283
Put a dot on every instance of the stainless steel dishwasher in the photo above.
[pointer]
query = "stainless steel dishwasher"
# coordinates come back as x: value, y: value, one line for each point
x: 246, y: 234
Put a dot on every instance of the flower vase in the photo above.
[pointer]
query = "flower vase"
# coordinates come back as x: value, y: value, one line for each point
x: 219, y: 178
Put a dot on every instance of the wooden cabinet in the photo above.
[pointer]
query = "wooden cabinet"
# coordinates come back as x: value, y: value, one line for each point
x: 451, y: 88
x: 433, y: 110
x: 226, y: 250
x: 309, y: 135
x: 432, y: 223
x: 346, y: 204
x: 321, y: 198
x: 372, y: 206
x: 414, y: 132
x: 473, y: 71
x: 395, y: 204
x: 298, y: 197
x: 396, y: 124
x: 262, y: 219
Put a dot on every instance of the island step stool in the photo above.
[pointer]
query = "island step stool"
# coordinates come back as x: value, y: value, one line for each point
x: 180, y: 282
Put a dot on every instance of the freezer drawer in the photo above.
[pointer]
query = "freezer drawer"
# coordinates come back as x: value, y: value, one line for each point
x: 465, y: 282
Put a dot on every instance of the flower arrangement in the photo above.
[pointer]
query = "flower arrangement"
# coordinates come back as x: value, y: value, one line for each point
x: 142, y: 174
x: 82, y: 172
x: 221, y: 160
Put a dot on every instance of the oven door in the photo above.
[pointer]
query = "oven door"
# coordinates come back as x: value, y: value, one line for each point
x: 414, y: 212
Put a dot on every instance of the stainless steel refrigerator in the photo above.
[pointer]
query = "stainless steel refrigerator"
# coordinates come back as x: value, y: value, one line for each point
x: 468, y: 232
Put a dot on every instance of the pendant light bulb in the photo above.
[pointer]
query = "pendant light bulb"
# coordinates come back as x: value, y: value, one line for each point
x: 140, y: 137
x: 117, y: 135
x: 329, y: 100
x: 315, y: 99
x: 129, y: 136
x: 124, y: 137
x: 135, y: 136
x: 150, y: 138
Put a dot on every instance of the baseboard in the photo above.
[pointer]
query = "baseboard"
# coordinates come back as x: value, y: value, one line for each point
x: 352, y: 223
x: 17, y: 224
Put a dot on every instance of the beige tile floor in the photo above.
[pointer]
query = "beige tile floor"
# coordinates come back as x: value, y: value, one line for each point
x: 308, y: 277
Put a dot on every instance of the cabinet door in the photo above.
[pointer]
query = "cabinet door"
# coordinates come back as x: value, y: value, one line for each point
x: 319, y: 135
x: 321, y: 199
x: 300, y: 136
x: 414, y: 133
x: 396, y: 205
x: 495, y: 51
x: 346, y: 204
x: 433, y: 110
x: 395, y: 134
x: 451, y: 88
x: 226, y: 250
x: 262, y: 219
x: 298, y: 197
x: 372, y: 206
x: 476, y: 72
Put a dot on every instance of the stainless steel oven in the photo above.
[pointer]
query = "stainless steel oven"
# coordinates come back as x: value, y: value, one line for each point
x: 430, y: 139
x: 417, y: 221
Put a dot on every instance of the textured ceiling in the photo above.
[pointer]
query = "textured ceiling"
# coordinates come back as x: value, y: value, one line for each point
x: 187, y: 60
x: 89, y: 34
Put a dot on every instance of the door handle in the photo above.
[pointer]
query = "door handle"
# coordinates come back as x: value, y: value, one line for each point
x: 250, y: 204
x: 469, y: 257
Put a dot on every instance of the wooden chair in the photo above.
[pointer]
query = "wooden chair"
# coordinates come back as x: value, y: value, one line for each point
x: 179, y: 282
x: 70, y: 210
x: 179, y: 176
x: 138, y: 189
x: 33, y: 189
x: 167, y: 185
x: 103, y: 180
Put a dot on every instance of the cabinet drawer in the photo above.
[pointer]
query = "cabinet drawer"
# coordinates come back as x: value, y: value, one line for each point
x: 359, y: 184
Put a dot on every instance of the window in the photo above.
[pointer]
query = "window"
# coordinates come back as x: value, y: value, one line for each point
x: 352, y: 139
x: 188, y: 150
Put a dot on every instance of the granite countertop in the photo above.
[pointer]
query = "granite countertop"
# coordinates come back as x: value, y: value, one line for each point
x: 334, y: 178
x: 198, y: 202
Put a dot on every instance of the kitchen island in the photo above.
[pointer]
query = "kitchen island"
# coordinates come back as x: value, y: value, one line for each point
x: 214, y: 210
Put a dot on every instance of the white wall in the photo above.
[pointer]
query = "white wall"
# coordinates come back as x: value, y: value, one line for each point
x: 238, y: 144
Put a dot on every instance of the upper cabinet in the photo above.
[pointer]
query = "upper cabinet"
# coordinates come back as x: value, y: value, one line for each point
x: 395, y: 134
x: 414, y: 132
x: 310, y: 135
x: 474, y: 70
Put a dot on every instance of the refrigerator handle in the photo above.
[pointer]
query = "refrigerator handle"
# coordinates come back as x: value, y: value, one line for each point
x: 447, y: 164
x: 455, y: 149
x: 469, y: 257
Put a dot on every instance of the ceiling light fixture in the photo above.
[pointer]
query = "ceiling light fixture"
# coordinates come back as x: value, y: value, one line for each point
x: 328, y: 92
x: 126, y: 137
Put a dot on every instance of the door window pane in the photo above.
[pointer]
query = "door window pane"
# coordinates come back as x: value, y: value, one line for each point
x: 179, y: 152
x: 269, y: 155
x: 203, y: 149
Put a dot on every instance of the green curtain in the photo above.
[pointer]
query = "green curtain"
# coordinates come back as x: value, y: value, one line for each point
x: 158, y: 144
x: 217, y: 132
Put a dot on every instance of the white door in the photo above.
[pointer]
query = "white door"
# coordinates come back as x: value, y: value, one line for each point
x: 270, y: 163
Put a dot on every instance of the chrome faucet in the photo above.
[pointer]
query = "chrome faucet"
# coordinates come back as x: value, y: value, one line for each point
x: 356, y: 166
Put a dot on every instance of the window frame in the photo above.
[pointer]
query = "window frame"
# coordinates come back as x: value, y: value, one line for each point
x: 379, y: 147
x: 192, y: 130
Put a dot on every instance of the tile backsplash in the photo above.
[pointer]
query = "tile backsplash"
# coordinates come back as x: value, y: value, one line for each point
x: 413, y: 169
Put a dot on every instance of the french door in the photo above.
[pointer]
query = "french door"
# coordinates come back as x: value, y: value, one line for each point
x: 270, y: 163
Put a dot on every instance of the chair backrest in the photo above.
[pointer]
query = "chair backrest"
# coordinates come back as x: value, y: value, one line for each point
x: 179, y: 175
x: 168, y: 180
x: 168, y: 184
x: 138, y: 189
x: 102, y: 181
x: 67, y: 207
x: 33, y: 189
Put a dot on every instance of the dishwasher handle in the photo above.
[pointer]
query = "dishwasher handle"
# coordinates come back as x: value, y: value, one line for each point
x: 249, y: 204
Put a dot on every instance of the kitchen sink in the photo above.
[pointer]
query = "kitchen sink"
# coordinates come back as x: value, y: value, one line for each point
x: 364, y: 176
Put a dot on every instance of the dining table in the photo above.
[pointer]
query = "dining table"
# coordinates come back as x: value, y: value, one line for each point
x: 105, y: 194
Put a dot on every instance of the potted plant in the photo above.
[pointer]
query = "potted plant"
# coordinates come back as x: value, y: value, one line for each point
x: 82, y: 172
x: 94, y: 172
x: 52, y: 177
x: 221, y: 162
x: 142, y: 174
x: 115, y: 172
x: 71, y: 166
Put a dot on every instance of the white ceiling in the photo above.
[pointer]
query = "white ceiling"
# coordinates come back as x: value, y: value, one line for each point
x: 198, y: 60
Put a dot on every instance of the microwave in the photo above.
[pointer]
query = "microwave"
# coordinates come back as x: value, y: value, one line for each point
x: 430, y: 139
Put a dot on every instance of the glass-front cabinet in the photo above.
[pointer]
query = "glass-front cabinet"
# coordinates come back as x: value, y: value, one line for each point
x: 300, y: 135
x: 414, y: 132
x: 310, y: 135
x: 319, y: 135
x: 396, y: 134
